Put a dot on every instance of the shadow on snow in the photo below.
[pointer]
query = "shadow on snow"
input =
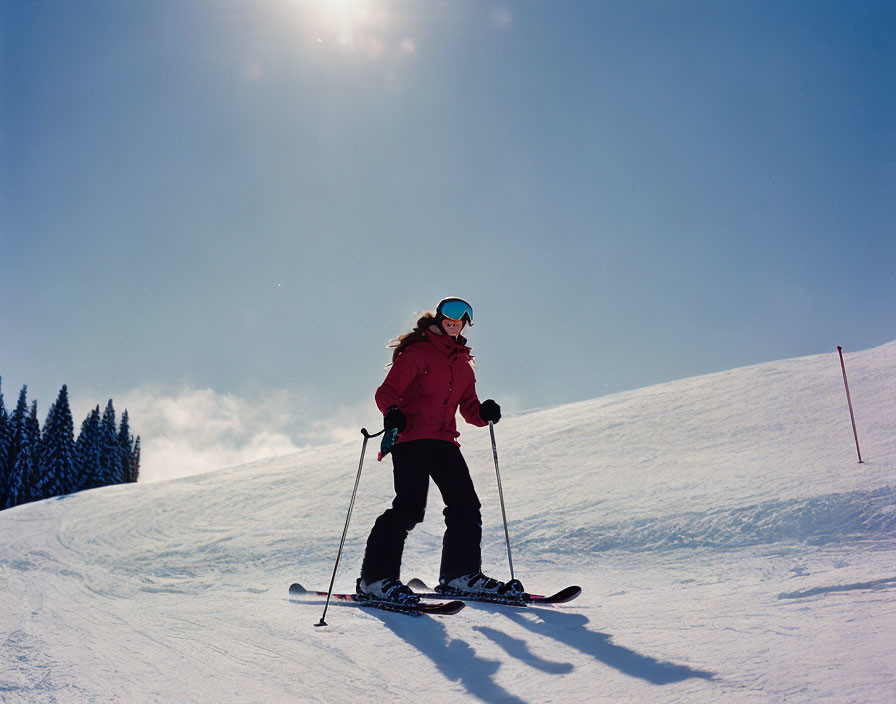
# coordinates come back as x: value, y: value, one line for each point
x: 454, y: 657
x: 877, y: 584
x: 458, y: 661
x: 571, y: 630
x: 519, y: 649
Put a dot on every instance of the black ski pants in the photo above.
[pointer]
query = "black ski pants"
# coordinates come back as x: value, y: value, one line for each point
x: 414, y: 462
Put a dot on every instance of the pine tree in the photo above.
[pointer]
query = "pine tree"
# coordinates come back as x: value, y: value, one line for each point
x: 57, y: 453
x: 109, y: 448
x: 4, y: 451
x: 88, y: 451
x: 28, y: 463
x: 126, y: 448
x: 41, y: 488
x: 135, y: 461
x: 15, y: 431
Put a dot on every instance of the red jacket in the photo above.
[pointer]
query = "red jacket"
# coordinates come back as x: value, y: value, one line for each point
x: 429, y: 380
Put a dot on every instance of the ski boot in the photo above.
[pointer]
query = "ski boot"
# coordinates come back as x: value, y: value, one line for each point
x: 479, y: 585
x: 391, y: 590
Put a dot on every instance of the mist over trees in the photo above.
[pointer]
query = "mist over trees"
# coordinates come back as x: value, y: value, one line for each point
x: 40, y: 463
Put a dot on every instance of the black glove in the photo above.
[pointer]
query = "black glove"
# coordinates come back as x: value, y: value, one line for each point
x: 490, y: 411
x: 394, y: 418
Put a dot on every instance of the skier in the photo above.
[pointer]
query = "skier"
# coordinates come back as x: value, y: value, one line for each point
x: 431, y: 377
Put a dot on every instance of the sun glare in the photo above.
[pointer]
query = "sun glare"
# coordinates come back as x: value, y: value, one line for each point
x: 344, y: 17
x: 364, y: 26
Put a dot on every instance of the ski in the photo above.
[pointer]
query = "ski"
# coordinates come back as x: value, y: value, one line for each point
x: 564, y: 595
x: 447, y: 608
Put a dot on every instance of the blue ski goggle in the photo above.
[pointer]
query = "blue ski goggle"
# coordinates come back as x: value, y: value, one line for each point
x: 456, y: 309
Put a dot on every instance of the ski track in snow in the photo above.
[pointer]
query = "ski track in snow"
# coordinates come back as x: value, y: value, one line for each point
x: 729, y: 545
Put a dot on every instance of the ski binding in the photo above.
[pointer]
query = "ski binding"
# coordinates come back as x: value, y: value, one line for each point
x: 561, y: 597
x: 444, y: 608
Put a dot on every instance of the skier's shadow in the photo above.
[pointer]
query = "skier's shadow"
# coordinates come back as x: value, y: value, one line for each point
x: 571, y: 630
x: 454, y: 657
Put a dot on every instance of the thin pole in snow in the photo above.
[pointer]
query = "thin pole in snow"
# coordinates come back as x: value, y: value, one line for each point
x: 348, y: 517
x: 491, y: 429
x: 849, y: 401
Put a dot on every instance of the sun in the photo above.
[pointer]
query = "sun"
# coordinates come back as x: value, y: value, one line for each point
x: 365, y: 29
x: 345, y: 22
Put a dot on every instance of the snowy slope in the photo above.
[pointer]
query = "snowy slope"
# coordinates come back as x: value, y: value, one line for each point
x: 730, y: 546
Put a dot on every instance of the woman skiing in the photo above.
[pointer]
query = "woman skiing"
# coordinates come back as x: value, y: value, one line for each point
x: 430, y: 379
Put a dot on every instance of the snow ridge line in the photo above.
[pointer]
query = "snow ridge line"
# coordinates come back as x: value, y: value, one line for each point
x: 858, y: 516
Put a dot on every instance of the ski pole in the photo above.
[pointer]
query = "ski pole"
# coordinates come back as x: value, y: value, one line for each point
x: 491, y: 428
x: 852, y: 417
x: 351, y: 505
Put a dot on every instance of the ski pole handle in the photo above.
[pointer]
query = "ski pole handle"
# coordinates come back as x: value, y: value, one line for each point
x: 387, y: 442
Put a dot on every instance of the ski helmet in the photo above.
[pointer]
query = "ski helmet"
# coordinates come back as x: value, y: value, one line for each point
x: 455, y: 309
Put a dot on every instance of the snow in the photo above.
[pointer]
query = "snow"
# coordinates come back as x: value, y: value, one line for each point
x: 729, y: 544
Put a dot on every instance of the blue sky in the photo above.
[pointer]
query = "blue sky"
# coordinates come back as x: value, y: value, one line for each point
x: 251, y: 198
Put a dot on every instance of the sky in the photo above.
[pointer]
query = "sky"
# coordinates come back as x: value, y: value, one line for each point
x: 218, y: 213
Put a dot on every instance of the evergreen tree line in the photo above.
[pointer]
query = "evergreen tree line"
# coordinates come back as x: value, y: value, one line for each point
x: 37, y: 464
